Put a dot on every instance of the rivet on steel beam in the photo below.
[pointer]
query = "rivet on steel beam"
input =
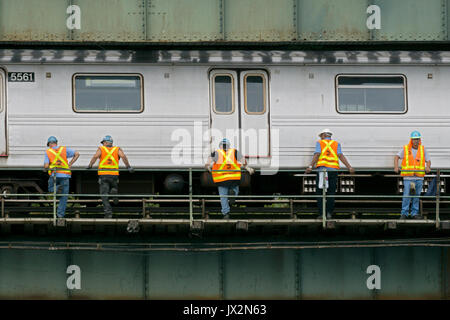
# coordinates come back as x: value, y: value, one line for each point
x: 445, y: 225
x: 392, y: 225
x: 331, y: 224
x: 133, y: 226
x: 197, y: 225
x: 242, y: 225
x: 61, y: 222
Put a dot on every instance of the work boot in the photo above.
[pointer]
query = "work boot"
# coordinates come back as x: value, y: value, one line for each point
x: 329, y: 215
x: 226, y: 216
x: 403, y: 217
x: 108, y: 215
x: 114, y: 192
x: 231, y: 200
x: 417, y: 217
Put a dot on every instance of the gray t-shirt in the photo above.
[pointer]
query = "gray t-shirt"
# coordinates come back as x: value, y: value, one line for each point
x: 401, y: 155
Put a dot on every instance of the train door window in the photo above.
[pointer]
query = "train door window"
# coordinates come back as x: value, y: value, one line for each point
x: 1, y: 92
x: 107, y: 93
x: 254, y: 93
x: 223, y: 93
x: 371, y: 94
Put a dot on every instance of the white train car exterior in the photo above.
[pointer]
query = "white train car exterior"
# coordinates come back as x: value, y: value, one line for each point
x: 371, y: 101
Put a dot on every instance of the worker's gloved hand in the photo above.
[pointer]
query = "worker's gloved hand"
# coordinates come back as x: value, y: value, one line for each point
x: 44, y: 170
x: 250, y: 170
x: 130, y: 170
x: 209, y: 168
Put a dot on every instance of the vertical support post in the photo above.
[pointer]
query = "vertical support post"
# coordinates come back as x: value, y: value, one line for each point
x: 54, y: 197
x: 222, y: 19
x: 191, y: 218
x: 145, y: 258
x: 294, y: 19
x: 143, y: 208
x: 203, y: 209
x: 144, y: 19
x: 323, y: 182
x: 298, y: 288
x: 291, y: 208
x: 324, y: 204
x: 221, y: 275
x: 438, y: 193
x: 69, y: 261
x: 3, y: 205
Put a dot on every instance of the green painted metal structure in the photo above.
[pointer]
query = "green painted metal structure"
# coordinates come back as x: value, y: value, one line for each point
x: 223, y: 21
x: 329, y: 273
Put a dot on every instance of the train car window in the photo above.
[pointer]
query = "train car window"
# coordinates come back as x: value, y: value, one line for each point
x: 223, y: 93
x: 107, y: 93
x: 254, y: 91
x: 371, y: 93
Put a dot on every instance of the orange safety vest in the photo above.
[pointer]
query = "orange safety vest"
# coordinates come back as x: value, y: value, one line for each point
x: 411, y: 163
x: 109, y: 160
x: 328, y: 155
x: 226, y: 161
x: 58, y: 159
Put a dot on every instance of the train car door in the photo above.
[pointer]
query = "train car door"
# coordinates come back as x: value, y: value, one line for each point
x: 3, y: 129
x: 240, y: 111
x: 254, y: 114
x: 224, y: 108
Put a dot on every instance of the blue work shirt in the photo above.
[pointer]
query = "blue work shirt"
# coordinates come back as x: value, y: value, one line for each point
x: 70, y: 154
x: 319, y: 151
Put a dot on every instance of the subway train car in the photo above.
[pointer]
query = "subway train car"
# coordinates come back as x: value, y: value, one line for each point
x: 169, y: 109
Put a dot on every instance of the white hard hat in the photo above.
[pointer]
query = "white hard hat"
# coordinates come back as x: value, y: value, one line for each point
x: 326, y: 131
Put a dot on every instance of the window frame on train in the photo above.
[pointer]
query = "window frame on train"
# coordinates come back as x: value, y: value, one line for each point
x: 264, y: 93
x: 368, y: 75
x: 115, y: 74
x: 213, y: 93
x: 3, y: 89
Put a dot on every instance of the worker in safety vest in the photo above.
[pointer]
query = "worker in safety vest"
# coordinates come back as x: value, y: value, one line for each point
x: 326, y: 157
x: 56, y: 159
x: 108, y: 171
x: 414, y: 166
x: 225, y: 160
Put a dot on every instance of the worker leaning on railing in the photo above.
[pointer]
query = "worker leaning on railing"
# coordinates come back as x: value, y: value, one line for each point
x: 56, y: 159
x: 326, y: 156
x: 415, y: 164
x: 226, y: 173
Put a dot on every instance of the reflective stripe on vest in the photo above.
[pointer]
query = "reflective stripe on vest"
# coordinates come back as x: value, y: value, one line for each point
x: 58, y: 159
x: 411, y: 163
x: 109, y: 161
x: 328, y: 155
x: 226, y: 161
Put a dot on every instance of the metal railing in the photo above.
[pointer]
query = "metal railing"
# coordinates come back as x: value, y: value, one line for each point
x: 203, y: 199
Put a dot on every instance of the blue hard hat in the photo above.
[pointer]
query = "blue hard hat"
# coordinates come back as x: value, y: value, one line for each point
x: 52, y: 139
x: 416, y: 135
x: 225, y: 142
x: 107, y: 139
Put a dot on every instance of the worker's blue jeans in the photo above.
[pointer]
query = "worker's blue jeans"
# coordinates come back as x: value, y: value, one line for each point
x: 415, y: 201
x: 223, y: 191
x: 62, y: 187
